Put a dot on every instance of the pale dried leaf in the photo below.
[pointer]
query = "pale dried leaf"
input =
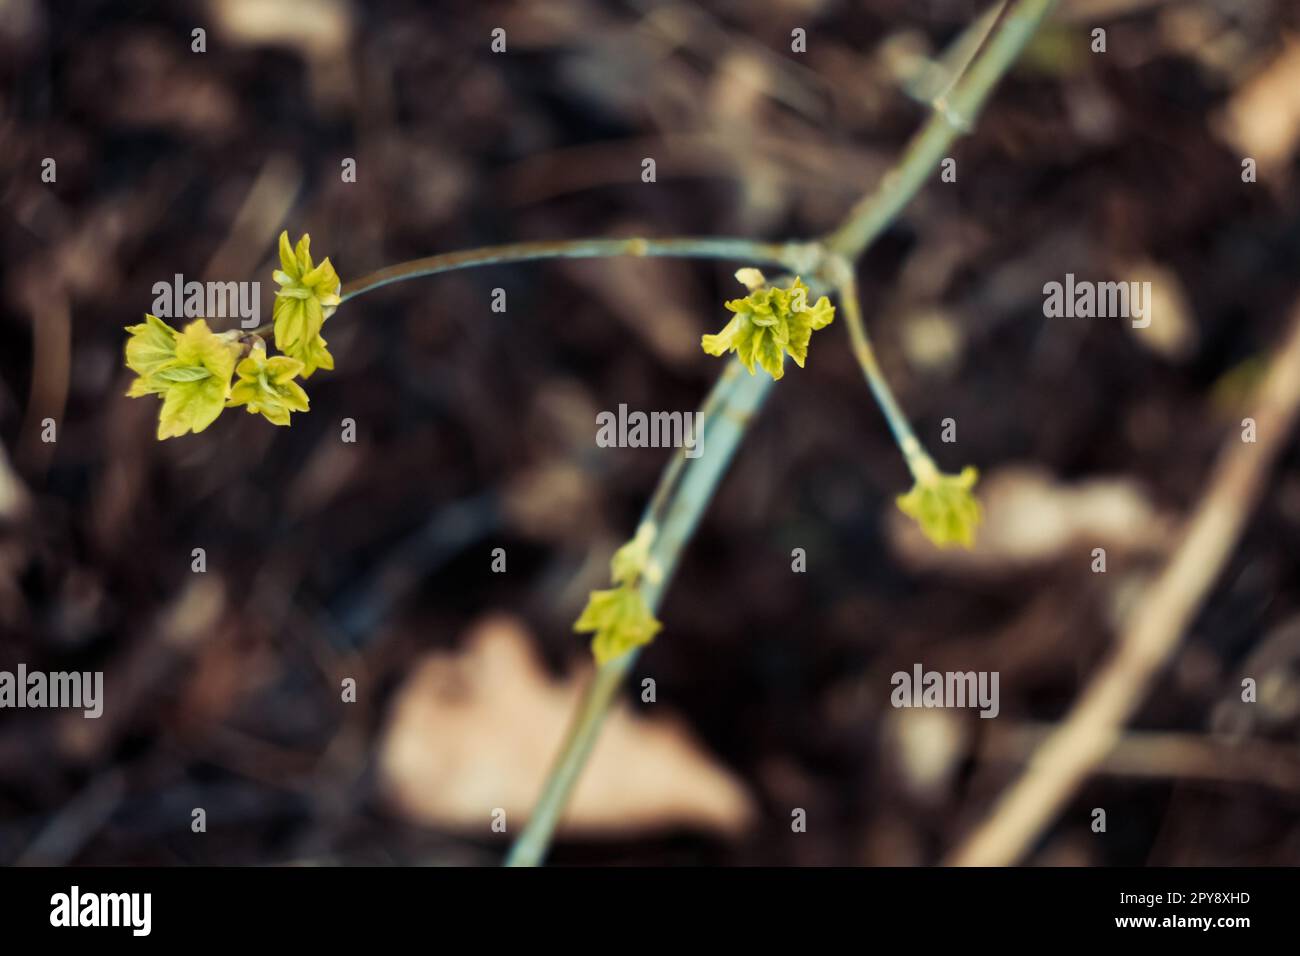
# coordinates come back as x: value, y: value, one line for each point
x: 475, y: 731
x: 1172, y: 331
x: 1262, y: 120
x: 1030, y: 518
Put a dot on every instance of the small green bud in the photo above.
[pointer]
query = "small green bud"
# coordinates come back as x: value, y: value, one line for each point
x: 267, y: 387
x: 308, y: 295
x: 619, y: 616
x: 769, y: 324
x: 943, y: 505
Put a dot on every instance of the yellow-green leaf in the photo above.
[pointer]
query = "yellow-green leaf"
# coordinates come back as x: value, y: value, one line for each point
x: 267, y: 387
x: 288, y: 261
x: 196, y: 393
x: 632, y: 560
x: 620, y: 620
x: 944, y: 507
x: 182, y: 373
x: 619, y: 616
x: 308, y: 295
x: 769, y: 324
x: 151, y: 346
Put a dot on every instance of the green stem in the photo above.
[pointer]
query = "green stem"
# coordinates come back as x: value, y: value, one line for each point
x: 955, y: 114
x: 797, y: 256
x: 792, y: 255
x: 679, y: 501
x: 530, y: 849
x: 918, y: 461
x: 683, y: 500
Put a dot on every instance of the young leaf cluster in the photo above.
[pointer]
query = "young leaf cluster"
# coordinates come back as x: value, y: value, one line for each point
x: 197, y: 373
x: 944, y: 507
x: 308, y: 295
x: 769, y: 324
x: 619, y: 616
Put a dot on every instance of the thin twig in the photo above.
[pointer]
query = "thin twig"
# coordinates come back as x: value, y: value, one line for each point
x: 791, y: 255
x: 875, y: 211
x: 866, y: 221
x: 1155, y: 754
x: 918, y: 461
x: 1096, y: 720
x: 967, y: 47
x: 803, y: 257
x: 676, y: 507
x: 687, y: 485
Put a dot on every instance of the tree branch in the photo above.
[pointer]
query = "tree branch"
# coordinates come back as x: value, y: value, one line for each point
x: 791, y: 255
x: 686, y: 501
x: 679, y: 501
x: 1095, y: 722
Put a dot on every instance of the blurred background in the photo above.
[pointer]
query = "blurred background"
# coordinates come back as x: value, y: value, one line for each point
x: 475, y: 430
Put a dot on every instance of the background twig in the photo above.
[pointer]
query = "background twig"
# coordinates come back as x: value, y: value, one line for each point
x: 675, y: 509
x: 1094, y: 723
x: 684, y: 504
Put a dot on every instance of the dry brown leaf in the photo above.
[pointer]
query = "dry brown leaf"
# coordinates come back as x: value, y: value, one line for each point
x: 321, y: 30
x: 927, y: 746
x: 1171, y: 332
x: 475, y: 731
x: 1262, y: 120
x: 551, y: 501
x: 14, y: 498
x: 15, y: 502
x: 1030, y: 518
